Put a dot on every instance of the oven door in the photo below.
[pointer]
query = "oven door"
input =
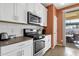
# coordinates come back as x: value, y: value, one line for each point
x: 38, y: 45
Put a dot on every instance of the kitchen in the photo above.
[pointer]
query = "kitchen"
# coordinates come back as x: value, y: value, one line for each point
x: 22, y: 29
x: 33, y: 29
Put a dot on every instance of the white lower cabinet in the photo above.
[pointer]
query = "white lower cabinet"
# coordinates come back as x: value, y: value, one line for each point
x: 47, y: 43
x: 19, y: 49
x: 19, y: 52
x: 12, y: 53
x: 25, y: 51
x: 28, y: 51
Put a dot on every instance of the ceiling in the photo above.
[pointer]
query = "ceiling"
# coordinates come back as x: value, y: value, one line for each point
x: 72, y: 15
x: 58, y: 5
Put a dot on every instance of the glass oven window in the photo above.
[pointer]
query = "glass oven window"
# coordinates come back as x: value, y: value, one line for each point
x: 39, y: 45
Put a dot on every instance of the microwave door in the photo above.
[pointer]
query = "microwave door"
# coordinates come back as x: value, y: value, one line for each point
x: 32, y: 19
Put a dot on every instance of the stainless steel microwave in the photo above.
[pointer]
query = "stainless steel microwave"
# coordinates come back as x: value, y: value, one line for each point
x: 33, y: 19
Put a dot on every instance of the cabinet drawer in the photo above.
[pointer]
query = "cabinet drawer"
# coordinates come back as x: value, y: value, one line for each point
x: 9, y: 48
x: 12, y: 53
x: 25, y: 43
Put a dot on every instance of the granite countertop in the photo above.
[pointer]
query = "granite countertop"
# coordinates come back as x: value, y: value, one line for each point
x: 14, y: 40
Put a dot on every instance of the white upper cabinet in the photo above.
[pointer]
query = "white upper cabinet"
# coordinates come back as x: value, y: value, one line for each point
x: 20, y: 13
x: 6, y: 11
x: 38, y: 9
x: 41, y: 11
x: 30, y: 7
x: 17, y: 12
x: 34, y: 8
x: 44, y: 16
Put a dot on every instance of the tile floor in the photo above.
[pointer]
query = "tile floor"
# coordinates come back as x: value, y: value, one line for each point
x: 69, y: 50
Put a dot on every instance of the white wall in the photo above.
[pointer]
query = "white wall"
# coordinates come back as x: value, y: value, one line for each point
x: 14, y: 29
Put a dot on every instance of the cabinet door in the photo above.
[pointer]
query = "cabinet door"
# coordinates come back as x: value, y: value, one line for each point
x: 47, y: 42
x: 22, y: 51
x: 6, y: 11
x: 25, y: 51
x: 20, y: 14
x: 31, y: 7
x: 28, y: 50
x: 43, y: 16
x: 11, y: 53
x: 19, y: 52
x: 38, y: 9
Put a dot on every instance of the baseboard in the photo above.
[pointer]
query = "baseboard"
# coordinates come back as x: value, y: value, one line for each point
x: 53, y: 47
x: 59, y: 45
x: 56, y: 45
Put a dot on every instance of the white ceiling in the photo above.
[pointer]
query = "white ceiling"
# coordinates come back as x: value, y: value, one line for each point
x: 58, y: 5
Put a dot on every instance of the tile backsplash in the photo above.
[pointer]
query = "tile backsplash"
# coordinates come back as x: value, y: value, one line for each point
x: 15, y: 29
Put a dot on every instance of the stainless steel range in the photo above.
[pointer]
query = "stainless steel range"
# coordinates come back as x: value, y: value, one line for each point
x: 38, y: 42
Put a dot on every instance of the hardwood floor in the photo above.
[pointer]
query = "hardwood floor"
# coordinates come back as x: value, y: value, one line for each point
x: 69, y: 50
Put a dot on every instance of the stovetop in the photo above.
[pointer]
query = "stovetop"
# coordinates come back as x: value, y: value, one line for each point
x: 35, y: 36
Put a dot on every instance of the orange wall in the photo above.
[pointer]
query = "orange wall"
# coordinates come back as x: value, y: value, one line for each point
x: 59, y: 27
x: 51, y: 14
x: 49, y: 20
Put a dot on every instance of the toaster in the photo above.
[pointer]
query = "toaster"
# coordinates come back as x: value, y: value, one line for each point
x: 3, y: 36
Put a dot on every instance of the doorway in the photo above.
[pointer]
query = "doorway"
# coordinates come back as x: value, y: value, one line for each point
x: 71, y: 27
